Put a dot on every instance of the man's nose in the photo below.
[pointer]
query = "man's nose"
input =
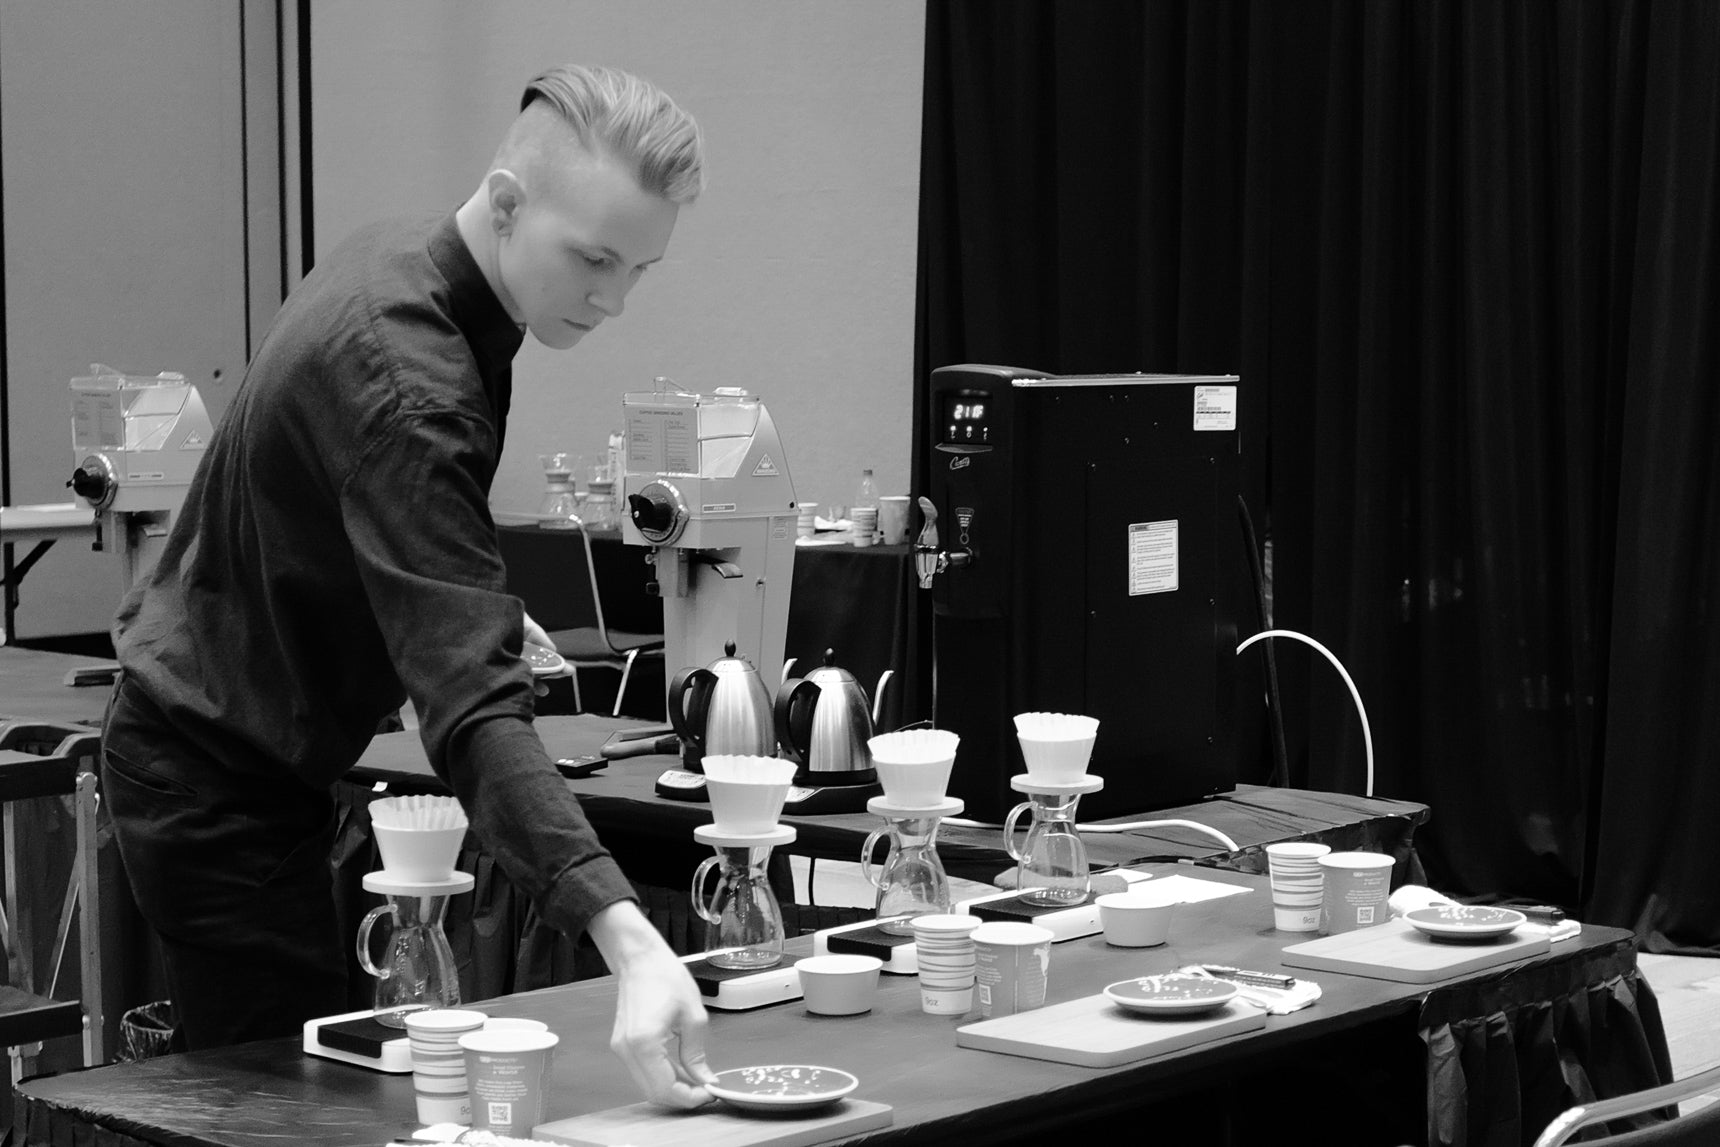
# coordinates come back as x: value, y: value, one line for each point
x: 610, y: 298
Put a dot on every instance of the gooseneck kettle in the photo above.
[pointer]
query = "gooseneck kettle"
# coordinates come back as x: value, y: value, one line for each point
x: 724, y: 708
x: 823, y: 723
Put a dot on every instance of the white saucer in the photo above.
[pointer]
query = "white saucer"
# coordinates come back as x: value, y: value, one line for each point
x: 390, y: 885
x: 949, y: 806
x: 777, y: 1087
x: 1171, y: 994
x: 1464, y: 921
x: 1089, y: 783
x: 708, y: 834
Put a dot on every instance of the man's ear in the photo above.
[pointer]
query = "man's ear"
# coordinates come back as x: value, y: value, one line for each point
x: 507, y: 199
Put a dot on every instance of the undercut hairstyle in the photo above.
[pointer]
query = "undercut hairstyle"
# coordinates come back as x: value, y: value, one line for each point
x: 634, y: 119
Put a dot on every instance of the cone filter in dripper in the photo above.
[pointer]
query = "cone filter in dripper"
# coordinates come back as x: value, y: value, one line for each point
x: 1056, y: 746
x: 914, y: 765
x: 746, y: 793
x: 418, y: 836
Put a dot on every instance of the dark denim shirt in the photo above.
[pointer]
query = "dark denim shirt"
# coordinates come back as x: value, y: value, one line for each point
x: 335, y: 555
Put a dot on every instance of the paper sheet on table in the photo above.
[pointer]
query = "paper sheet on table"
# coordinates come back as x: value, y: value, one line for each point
x: 1191, y: 889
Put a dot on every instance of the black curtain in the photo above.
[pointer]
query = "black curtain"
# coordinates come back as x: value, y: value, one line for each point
x: 1465, y: 257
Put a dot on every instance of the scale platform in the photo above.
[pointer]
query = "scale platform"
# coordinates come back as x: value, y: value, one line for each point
x: 1069, y: 923
x: 741, y: 989
x: 357, y: 1038
x: 868, y: 938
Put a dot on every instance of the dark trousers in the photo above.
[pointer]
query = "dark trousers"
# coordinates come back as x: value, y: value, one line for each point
x: 229, y: 864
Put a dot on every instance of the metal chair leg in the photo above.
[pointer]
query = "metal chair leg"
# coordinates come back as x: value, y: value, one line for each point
x: 621, y: 690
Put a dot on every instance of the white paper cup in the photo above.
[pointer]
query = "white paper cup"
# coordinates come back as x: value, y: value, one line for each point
x: 893, y: 519
x: 1358, y: 886
x: 438, y: 1063
x: 1011, y: 965
x: 944, y: 951
x: 840, y: 985
x: 1135, y: 919
x: 1298, y: 884
x: 806, y: 520
x: 505, y: 1070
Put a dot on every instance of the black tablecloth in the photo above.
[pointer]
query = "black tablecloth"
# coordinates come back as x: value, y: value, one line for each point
x: 1370, y: 1063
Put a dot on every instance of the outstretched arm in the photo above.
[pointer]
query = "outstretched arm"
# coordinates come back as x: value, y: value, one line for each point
x: 660, y: 1021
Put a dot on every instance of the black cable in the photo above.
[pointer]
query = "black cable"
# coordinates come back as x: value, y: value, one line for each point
x: 1275, y: 714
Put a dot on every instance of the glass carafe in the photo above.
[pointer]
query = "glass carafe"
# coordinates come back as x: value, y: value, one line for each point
x: 912, y: 880
x: 559, y: 508
x: 1053, y: 860
x: 743, y: 924
x: 417, y: 970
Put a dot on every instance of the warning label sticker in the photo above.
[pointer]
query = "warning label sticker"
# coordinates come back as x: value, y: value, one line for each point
x: 1153, y: 557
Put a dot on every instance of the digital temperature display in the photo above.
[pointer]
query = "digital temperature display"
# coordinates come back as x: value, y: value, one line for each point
x: 967, y: 420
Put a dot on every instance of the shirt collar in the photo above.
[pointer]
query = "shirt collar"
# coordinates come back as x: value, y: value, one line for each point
x: 494, y: 335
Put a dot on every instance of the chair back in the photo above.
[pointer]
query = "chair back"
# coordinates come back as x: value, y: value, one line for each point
x: 1701, y: 1125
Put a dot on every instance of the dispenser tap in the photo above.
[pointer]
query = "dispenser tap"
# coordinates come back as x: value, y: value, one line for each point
x: 929, y: 559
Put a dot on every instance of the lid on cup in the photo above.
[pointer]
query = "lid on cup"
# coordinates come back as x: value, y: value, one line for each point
x: 502, y: 1040
x: 1356, y: 860
x: 1009, y: 932
x: 949, y: 922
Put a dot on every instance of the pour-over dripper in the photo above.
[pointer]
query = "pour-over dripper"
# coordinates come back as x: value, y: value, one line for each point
x: 1056, y: 746
x: 746, y: 792
x: 914, y: 765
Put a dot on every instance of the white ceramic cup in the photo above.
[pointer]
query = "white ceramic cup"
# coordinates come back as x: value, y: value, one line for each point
x: 839, y: 985
x: 1135, y: 919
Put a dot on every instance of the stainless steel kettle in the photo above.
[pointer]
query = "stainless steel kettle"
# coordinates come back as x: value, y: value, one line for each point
x: 724, y: 708
x: 823, y: 724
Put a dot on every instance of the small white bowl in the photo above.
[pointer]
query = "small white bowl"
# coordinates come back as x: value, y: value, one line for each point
x: 1135, y: 920
x: 839, y: 985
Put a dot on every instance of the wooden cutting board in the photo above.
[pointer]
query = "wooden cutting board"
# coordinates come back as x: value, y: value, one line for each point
x: 1395, y: 951
x: 718, y: 1125
x: 1094, y: 1032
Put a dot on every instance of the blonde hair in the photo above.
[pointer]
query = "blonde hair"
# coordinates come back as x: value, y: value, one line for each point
x: 633, y: 119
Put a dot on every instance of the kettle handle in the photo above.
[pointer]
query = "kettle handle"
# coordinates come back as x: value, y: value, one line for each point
x: 370, y: 919
x: 794, y: 718
x: 690, y: 727
x: 1009, y: 823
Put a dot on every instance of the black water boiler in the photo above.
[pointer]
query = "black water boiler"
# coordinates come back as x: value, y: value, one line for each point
x: 1091, y: 537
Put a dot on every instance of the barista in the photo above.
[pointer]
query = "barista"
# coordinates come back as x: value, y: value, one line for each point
x: 336, y: 556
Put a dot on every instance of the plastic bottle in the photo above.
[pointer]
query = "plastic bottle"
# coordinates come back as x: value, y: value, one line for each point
x: 865, y: 494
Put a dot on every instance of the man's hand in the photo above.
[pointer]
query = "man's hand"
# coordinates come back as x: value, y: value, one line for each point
x: 535, y: 634
x: 659, y: 1019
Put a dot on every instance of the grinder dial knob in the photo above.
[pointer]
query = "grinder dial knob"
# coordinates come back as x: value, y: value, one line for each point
x: 93, y: 481
x: 658, y: 512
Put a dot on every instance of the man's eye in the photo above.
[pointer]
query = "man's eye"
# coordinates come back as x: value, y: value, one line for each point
x: 596, y: 262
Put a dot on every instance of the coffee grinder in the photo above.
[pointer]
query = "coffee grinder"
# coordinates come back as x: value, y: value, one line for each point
x: 706, y: 486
